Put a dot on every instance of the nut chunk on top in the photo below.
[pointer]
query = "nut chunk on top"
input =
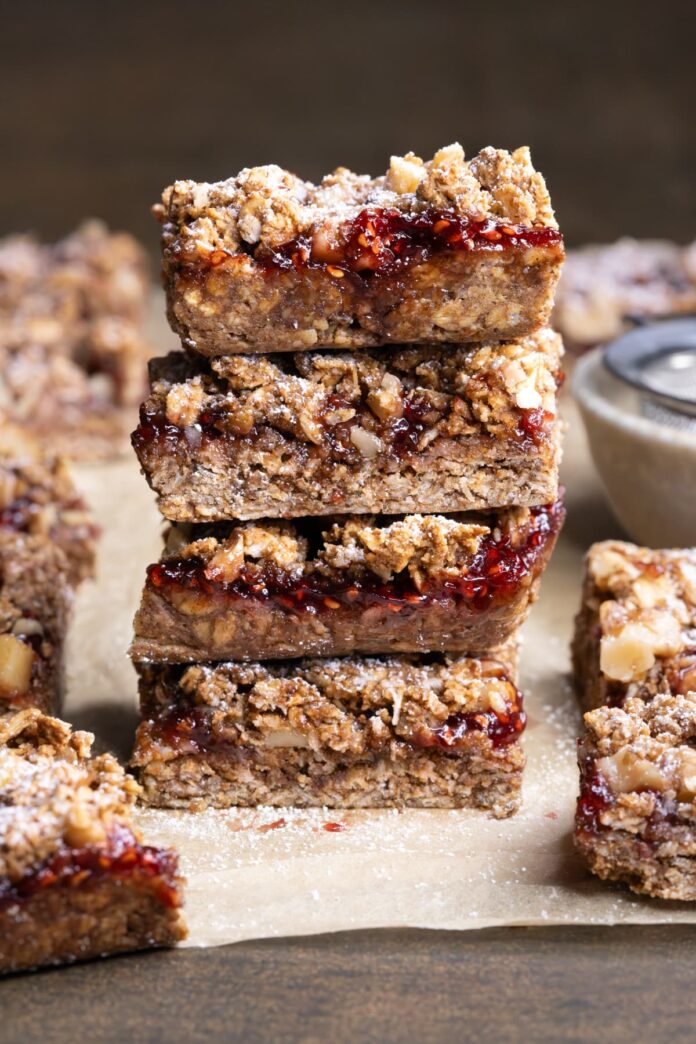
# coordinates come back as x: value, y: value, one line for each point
x: 636, y: 631
x: 447, y: 250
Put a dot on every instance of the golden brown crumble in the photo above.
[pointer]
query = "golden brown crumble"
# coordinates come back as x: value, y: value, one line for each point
x: 346, y: 705
x: 52, y: 793
x: 643, y: 753
x: 426, y: 546
x: 464, y: 388
x: 264, y: 207
x: 646, y: 602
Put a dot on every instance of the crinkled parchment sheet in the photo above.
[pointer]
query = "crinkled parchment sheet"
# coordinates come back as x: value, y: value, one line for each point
x: 256, y: 873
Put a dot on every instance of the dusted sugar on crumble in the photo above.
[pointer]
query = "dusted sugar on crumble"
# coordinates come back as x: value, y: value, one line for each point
x: 636, y: 814
x: 444, y: 250
x: 350, y: 732
x: 636, y: 630
x: 328, y: 587
x: 320, y: 432
x: 75, y: 879
x: 262, y: 208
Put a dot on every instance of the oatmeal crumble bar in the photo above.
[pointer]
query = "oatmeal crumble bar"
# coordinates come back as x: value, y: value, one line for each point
x: 322, y: 587
x: 35, y: 600
x: 75, y: 879
x: 72, y: 345
x: 444, y: 251
x: 636, y: 815
x: 357, y: 732
x: 604, y: 287
x: 38, y: 497
x: 314, y: 433
x: 635, y: 633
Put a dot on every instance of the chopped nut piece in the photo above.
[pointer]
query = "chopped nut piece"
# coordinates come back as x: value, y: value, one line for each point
x: 635, y: 634
x: 16, y: 661
x: 368, y: 444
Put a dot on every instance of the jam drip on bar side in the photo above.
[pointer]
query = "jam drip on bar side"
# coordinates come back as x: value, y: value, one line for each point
x: 595, y: 797
x: 122, y: 857
x: 189, y: 730
x: 495, y: 572
x: 501, y: 729
x: 384, y: 241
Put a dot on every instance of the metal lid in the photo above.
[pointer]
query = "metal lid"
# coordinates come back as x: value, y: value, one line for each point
x: 660, y: 360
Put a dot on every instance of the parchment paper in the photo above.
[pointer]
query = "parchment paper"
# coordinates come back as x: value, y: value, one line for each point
x: 259, y: 873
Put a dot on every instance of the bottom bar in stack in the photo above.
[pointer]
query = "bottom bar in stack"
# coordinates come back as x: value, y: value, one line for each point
x: 75, y: 880
x: 359, y: 732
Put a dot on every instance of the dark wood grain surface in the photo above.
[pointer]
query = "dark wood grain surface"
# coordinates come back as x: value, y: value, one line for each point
x: 105, y: 104
x: 517, y: 984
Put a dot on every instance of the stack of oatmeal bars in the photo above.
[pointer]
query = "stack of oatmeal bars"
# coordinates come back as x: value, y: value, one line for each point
x: 358, y: 455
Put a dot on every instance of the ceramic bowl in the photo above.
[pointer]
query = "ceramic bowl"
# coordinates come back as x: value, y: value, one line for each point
x: 645, y: 456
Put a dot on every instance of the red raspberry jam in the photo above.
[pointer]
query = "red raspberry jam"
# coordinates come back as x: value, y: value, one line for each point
x: 122, y: 857
x: 494, y: 574
x: 383, y: 241
x: 501, y: 729
x: 191, y: 730
x: 533, y: 427
x: 594, y: 798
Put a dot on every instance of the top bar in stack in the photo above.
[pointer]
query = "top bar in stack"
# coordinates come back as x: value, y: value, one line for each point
x: 444, y: 251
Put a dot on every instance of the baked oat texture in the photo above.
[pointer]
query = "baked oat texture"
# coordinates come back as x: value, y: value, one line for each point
x: 347, y: 733
x: 35, y: 600
x: 219, y: 239
x: 635, y: 634
x: 636, y: 818
x: 72, y: 345
x: 331, y: 587
x: 458, y: 429
x: 58, y: 803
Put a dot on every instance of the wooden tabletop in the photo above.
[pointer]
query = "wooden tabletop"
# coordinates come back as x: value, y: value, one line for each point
x: 539, y: 984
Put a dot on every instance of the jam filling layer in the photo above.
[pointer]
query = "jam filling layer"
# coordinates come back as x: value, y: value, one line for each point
x: 122, y: 857
x: 399, y: 438
x: 383, y: 241
x: 596, y: 798
x: 190, y: 730
x: 494, y: 573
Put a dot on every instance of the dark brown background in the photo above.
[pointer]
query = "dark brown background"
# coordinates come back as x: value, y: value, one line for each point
x: 104, y: 103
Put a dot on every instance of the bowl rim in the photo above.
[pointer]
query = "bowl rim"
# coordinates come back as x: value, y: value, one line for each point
x: 591, y: 401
